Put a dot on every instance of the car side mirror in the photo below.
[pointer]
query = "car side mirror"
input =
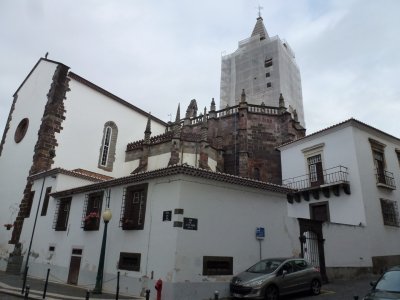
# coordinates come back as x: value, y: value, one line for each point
x: 372, y: 283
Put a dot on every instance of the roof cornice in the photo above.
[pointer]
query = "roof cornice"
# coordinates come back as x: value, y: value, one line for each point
x: 175, y: 170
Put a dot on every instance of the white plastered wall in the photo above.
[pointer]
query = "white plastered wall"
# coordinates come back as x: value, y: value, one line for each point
x: 86, y: 113
x: 16, y: 158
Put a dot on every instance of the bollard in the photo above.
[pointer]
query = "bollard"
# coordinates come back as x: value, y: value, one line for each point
x: 87, y: 295
x: 117, y: 294
x: 24, y: 281
x: 27, y: 292
x: 216, y: 295
x: 46, y: 283
x: 147, y: 294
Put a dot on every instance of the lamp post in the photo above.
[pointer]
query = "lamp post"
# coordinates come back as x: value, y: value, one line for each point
x: 99, y: 278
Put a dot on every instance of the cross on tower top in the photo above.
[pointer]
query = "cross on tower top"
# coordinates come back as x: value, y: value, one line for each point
x: 259, y: 7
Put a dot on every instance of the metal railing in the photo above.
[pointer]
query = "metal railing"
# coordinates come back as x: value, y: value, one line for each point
x: 386, y: 178
x: 331, y: 176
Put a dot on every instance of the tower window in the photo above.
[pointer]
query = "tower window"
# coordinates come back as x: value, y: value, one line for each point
x: 268, y: 74
x: 269, y: 84
x: 268, y: 62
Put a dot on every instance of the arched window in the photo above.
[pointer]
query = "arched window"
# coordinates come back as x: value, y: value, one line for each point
x: 107, y: 149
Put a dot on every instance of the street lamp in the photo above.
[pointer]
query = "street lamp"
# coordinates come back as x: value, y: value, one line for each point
x: 99, y: 278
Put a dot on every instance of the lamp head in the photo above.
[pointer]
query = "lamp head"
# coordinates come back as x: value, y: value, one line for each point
x: 107, y: 215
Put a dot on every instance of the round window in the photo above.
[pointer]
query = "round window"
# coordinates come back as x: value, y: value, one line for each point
x: 21, y: 130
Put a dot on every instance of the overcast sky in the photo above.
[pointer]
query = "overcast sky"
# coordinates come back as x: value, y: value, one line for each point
x: 156, y: 54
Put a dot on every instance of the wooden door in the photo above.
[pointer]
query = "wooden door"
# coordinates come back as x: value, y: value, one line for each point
x: 74, y: 267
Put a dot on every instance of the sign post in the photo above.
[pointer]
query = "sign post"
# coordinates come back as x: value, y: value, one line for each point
x: 260, y: 235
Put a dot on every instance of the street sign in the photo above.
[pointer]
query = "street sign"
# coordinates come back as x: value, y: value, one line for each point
x: 260, y: 233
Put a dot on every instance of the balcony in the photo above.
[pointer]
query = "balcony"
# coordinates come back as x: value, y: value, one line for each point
x: 331, y: 180
x: 385, y: 179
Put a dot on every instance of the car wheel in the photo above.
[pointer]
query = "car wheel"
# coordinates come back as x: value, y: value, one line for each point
x: 315, y: 287
x: 271, y: 293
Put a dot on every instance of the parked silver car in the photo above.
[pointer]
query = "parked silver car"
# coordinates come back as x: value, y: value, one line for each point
x: 270, y: 278
x: 387, y: 286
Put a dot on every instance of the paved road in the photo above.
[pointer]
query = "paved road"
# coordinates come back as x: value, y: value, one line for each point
x: 339, y: 290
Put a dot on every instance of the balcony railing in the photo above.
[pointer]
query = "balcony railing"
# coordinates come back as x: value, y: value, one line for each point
x: 385, y: 178
x: 331, y: 176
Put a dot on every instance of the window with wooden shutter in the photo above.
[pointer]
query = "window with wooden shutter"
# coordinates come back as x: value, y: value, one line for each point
x: 134, y: 207
x: 62, y: 214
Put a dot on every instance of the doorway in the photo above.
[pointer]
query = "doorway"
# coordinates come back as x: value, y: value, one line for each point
x: 74, y: 266
x: 312, y: 244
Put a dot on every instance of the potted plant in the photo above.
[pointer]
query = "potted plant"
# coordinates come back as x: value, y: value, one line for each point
x: 91, y: 218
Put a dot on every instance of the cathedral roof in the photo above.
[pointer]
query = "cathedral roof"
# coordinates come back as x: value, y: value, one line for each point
x: 259, y: 28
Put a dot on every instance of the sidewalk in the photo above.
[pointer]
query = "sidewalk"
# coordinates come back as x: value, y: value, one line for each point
x: 12, y: 284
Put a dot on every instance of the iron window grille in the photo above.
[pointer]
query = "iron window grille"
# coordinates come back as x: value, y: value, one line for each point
x: 390, y: 213
x: 61, y: 216
x: 133, y: 208
x: 217, y: 265
x: 92, y: 211
x: 129, y: 261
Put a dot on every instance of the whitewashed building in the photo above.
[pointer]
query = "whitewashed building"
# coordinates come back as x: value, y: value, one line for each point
x: 191, y: 228
x: 59, y: 119
x: 345, y: 180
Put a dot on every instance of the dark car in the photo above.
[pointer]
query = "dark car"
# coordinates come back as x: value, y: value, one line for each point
x: 387, y: 286
x: 270, y: 278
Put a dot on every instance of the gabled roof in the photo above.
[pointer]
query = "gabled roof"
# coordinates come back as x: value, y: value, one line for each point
x: 112, y: 96
x: 175, y: 170
x: 93, y: 86
x: 259, y: 28
x: 79, y: 173
x: 349, y: 122
x: 33, y: 69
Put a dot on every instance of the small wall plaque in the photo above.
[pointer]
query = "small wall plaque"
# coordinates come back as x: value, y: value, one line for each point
x: 190, y: 223
x: 167, y: 215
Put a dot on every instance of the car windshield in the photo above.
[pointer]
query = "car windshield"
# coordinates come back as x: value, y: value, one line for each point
x: 266, y: 266
x: 390, y: 282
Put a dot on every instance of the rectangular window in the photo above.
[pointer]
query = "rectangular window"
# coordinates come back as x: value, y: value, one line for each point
x: 390, y: 213
x: 319, y: 211
x: 62, y: 214
x: 46, y: 201
x: 134, y: 207
x: 29, y: 204
x: 92, y: 211
x: 268, y: 62
x: 398, y: 155
x: 217, y: 265
x: 315, y: 170
x: 267, y: 74
x: 129, y: 261
x: 269, y: 84
x: 379, y: 165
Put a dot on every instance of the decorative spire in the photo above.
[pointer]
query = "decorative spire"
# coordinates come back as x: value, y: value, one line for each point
x: 147, y: 132
x: 178, y: 114
x: 243, y: 96
x: 281, y: 101
x: 259, y: 28
x: 205, y: 115
x: 212, y: 107
x: 295, y: 116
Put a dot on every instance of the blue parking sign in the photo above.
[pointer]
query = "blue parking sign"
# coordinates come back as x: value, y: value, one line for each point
x: 260, y: 233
